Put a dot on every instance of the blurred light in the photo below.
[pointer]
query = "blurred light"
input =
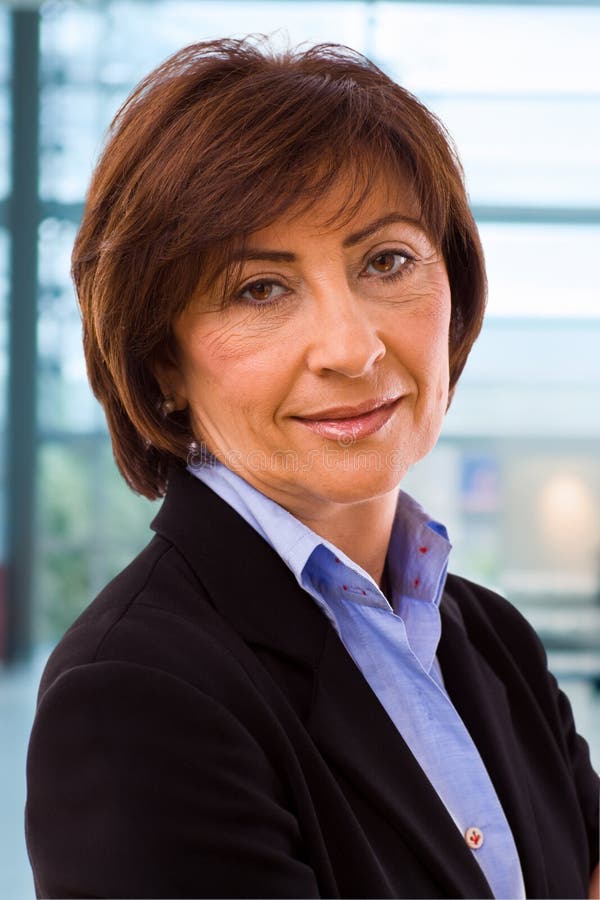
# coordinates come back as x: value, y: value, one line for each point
x: 569, y: 521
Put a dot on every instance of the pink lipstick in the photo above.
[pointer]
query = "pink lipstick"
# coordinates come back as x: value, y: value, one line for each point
x: 349, y: 424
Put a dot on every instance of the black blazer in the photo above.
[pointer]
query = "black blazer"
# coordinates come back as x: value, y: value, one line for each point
x: 202, y: 732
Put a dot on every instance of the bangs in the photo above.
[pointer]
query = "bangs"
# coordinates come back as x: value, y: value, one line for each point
x: 310, y: 177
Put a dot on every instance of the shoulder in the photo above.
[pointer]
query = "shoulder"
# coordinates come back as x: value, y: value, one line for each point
x: 153, y: 620
x: 146, y: 740
x: 504, y: 641
x: 151, y: 655
x: 487, y: 615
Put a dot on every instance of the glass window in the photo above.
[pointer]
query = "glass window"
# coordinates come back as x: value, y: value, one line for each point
x: 4, y: 245
x: 4, y: 47
x: 73, y: 121
x: 89, y: 527
x: 4, y: 288
x: 524, y: 112
x: 4, y: 103
x: 92, y: 56
x: 65, y: 402
x: 4, y: 139
x: 4, y: 253
x: 101, y: 40
x: 542, y: 271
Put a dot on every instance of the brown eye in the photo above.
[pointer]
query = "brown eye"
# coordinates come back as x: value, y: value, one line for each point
x: 261, y: 293
x: 389, y: 265
x: 260, y: 290
x: 385, y: 262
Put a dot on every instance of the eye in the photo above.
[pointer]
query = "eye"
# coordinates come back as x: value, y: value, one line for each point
x: 262, y: 291
x: 389, y: 263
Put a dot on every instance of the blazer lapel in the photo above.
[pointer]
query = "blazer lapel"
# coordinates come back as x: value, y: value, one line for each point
x: 354, y: 732
x: 256, y: 593
x: 486, y: 713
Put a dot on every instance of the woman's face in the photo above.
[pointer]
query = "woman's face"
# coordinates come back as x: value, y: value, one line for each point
x: 325, y: 375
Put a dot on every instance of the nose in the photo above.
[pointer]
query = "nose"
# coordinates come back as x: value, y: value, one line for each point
x: 344, y: 337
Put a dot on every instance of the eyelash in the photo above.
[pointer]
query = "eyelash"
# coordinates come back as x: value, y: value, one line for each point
x: 271, y: 282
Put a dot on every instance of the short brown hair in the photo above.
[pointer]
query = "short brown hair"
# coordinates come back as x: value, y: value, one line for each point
x: 217, y: 142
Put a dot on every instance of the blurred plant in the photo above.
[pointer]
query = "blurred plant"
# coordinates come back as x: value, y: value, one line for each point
x: 89, y: 525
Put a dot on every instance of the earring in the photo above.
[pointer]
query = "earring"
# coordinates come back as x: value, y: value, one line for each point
x: 168, y: 406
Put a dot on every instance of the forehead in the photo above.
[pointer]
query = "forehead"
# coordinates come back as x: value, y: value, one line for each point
x: 349, y: 205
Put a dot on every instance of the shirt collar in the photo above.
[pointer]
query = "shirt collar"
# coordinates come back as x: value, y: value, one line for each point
x: 418, y: 550
x: 293, y: 541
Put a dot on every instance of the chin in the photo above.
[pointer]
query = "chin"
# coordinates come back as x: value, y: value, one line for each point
x: 355, y: 480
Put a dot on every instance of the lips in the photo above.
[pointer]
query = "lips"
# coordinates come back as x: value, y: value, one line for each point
x: 348, y: 412
x: 351, y: 423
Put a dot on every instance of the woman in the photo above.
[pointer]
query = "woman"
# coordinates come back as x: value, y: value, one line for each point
x: 283, y: 695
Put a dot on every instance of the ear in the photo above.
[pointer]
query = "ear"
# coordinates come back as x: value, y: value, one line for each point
x: 170, y: 381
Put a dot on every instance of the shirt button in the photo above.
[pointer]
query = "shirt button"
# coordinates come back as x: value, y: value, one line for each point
x: 474, y: 838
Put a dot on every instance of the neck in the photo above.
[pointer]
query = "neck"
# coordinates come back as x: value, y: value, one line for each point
x: 361, y: 530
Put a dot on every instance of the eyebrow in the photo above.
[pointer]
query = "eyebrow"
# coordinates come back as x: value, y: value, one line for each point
x: 268, y: 255
x: 377, y: 225
x: 350, y: 241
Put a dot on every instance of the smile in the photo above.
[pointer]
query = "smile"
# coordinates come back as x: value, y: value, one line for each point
x: 351, y: 423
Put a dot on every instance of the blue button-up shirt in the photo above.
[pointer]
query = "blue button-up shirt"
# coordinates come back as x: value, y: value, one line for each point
x: 394, y: 645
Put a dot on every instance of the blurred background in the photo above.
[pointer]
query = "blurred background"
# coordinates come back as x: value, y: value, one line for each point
x: 516, y: 474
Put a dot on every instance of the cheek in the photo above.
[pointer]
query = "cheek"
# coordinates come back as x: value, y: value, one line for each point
x: 210, y: 355
x: 438, y: 331
x: 234, y: 383
x: 422, y: 346
x: 236, y: 334
x: 214, y: 350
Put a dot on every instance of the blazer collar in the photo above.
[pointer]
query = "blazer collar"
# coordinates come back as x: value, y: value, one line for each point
x: 255, y: 592
x: 247, y: 582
